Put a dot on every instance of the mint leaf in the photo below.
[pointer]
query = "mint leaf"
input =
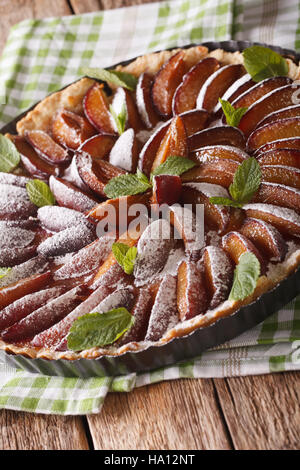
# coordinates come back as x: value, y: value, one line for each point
x: 126, y: 185
x: 123, y: 79
x: 9, y: 155
x: 245, y: 277
x: 233, y: 116
x: 246, y: 181
x: 99, y: 329
x: 224, y: 201
x: 4, y: 272
x: 125, y: 256
x: 174, y: 166
x: 261, y: 63
x: 143, y: 178
x: 120, y: 119
x: 39, y: 193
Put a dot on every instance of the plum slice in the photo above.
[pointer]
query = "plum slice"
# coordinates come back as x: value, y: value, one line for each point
x: 282, y: 129
x: 26, y: 305
x: 67, y: 241
x: 279, y: 195
x: 95, y: 105
x: 286, y: 175
x: 191, y: 291
x: 236, y: 244
x: 216, y: 85
x: 219, y: 135
x: 57, y: 218
x: 47, y: 148
x: 218, y: 171
x: 273, y: 101
x: 288, y: 112
x: 71, y: 130
x: 286, y: 220
x: 15, y: 203
x: 44, y: 317
x: 98, y: 146
x: 164, y: 313
x: 186, y: 93
x: 218, y: 272
x: 286, y: 157
x: 23, y: 287
x: 144, y: 101
x: 165, y: 83
x: 166, y: 189
x: 67, y: 195
x: 124, y: 154
x: 214, y: 152
x: 266, y: 238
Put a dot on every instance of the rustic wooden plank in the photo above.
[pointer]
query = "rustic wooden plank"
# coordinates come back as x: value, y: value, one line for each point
x: 13, y: 11
x: 180, y: 414
x: 26, y: 431
x: 86, y: 6
x: 262, y: 412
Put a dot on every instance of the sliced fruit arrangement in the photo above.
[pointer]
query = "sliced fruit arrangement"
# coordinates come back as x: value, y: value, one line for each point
x: 142, y: 209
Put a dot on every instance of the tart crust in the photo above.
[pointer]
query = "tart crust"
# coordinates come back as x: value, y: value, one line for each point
x: 71, y: 98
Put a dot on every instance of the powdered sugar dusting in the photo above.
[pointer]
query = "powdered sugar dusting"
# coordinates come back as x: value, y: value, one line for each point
x: 69, y: 240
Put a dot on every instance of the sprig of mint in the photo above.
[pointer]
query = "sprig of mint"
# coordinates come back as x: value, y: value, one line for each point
x: 39, y: 193
x: 9, y: 155
x: 245, y: 277
x: 123, y: 79
x: 125, y: 256
x: 233, y: 116
x: 246, y: 182
x: 120, y: 119
x: 99, y: 329
x: 4, y: 272
x: 174, y: 166
x: 126, y: 185
x: 261, y: 63
x: 130, y: 184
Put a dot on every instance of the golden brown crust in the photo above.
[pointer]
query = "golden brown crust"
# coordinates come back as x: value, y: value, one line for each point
x: 71, y: 98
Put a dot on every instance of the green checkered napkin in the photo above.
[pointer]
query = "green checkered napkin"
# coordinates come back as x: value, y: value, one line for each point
x: 42, y: 56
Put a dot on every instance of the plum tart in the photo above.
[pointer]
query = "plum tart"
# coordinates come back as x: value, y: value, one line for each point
x: 141, y: 203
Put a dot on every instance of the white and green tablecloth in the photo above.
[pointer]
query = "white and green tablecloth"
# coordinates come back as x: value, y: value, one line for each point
x: 43, y: 55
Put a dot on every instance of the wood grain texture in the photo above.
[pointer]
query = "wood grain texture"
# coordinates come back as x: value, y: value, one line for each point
x: 26, y: 431
x: 262, y: 412
x: 180, y: 414
x: 86, y: 6
x: 14, y: 11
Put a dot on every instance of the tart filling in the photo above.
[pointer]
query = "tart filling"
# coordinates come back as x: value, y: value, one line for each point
x: 133, y: 218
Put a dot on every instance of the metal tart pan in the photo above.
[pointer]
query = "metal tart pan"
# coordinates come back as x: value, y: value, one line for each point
x: 178, y: 349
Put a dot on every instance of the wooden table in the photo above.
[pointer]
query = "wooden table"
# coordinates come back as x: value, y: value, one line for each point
x: 260, y: 412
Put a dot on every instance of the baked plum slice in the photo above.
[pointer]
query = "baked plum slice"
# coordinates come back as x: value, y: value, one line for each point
x: 190, y: 228
x: 216, y: 85
x: 219, y: 135
x: 218, y: 171
x: 44, y: 317
x: 258, y: 90
x: 98, y: 146
x: 235, y: 244
x: 123, y: 98
x: 285, y: 157
x: 282, y: 129
x: 279, y: 195
x: 165, y: 83
x: 144, y: 101
x: 286, y: 220
x: 15, y: 203
x: 214, y: 152
x: 218, y: 272
x: 125, y: 152
x: 286, y: 175
x: 47, y: 148
x: 216, y: 217
x: 192, y: 297
x: 95, y: 105
x: 71, y: 130
x: 288, y: 112
x: 26, y: 305
x: 22, y: 287
x: 68, y: 195
x: 31, y: 161
x: 166, y: 189
x: 186, y: 94
x: 266, y: 238
x: 273, y: 101
x: 290, y: 143
x: 164, y: 313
